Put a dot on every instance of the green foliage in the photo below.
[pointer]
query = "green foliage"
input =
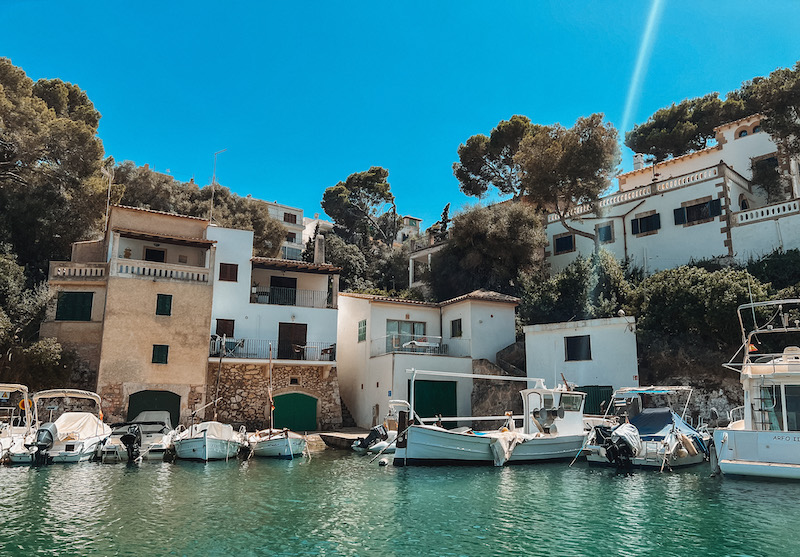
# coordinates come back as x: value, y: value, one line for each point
x: 588, y: 288
x: 779, y: 268
x: 695, y: 304
x: 355, y: 207
x: 488, y: 162
x: 488, y: 248
x: 350, y: 259
x: 778, y: 98
x: 51, y: 191
x: 145, y: 188
x: 387, y: 267
x: 566, y: 167
x: 404, y: 294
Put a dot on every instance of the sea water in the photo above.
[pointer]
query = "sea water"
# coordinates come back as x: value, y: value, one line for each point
x: 337, y: 503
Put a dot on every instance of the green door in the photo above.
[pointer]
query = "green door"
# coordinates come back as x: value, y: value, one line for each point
x: 435, y: 397
x: 296, y: 411
x: 597, y: 398
x: 155, y: 400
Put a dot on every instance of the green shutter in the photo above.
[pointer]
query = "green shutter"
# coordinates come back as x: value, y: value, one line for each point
x: 74, y: 306
x: 680, y: 215
x: 715, y: 207
x: 634, y: 226
x: 164, y: 304
x: 160, y: 353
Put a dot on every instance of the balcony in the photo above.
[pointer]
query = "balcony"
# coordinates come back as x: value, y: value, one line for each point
x: 279, y: 296
x: 419, y: 344
x: 155, y: 270
x: 87, y: 272
x: 256, y: 348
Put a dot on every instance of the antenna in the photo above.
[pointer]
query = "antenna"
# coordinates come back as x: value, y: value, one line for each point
x: 213, y: 184
x: 110, y: 175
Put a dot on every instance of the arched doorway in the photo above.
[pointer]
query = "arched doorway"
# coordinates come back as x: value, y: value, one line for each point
x: 155, y: 400
x: 295, y: 411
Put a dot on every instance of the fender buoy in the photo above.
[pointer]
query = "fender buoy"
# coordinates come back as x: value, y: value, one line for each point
x: 688, y: 445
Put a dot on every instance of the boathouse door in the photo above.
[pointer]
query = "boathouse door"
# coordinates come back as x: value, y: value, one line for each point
x: 155, y: 400
x: 435, y: 397
x: 295, y: 411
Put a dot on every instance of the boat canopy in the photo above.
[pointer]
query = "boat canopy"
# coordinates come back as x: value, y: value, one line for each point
x: 216, y: 430
x: 658, y: 422
x: 72, y: 393
x: 13, y: 387
x: 634, y: 391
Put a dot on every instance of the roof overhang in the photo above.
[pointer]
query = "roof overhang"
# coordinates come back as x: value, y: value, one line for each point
x: 201, y: 243
x: 296, y: 266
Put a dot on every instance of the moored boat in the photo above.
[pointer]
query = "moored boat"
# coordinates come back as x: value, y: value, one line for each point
x: 553, y: 428
x: 277, y: 443
x: 17, y: 421
x: 148, y: 436
x: 763, y: 436
x: 208, y: 441
x: 647, y: 437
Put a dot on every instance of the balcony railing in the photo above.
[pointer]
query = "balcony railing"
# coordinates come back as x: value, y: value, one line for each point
x: 256, y: 348
x: 769, y: 212
x: 290, y: 297
x: 67, y: 270
x: 419, y: 344
x: 155, y: 270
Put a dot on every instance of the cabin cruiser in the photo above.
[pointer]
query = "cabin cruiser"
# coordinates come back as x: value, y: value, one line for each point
x: 148, y: 436
x: 72, y: 437
x: 17, y: 421
x: 553, y: 427
x: 763, y: 436
x: 277, y: 443
x: 639, y: 436
x: 208, y: 441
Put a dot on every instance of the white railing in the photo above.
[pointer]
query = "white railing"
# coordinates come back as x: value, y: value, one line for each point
x: 155, y: 270
x: 419, y: 344
x: 280, y: 296
x: 641, y: 191
x: 768, y: 212
x: 77, y: 271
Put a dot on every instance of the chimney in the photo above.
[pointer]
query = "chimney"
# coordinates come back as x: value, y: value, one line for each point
x: 638, y: 161
x: 319, y: 249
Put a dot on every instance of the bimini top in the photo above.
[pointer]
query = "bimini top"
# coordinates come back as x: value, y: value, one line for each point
x: 72, y: 393
x: 13, y: 387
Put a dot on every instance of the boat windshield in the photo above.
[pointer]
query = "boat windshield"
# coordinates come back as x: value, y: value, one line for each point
x: 571, y: 402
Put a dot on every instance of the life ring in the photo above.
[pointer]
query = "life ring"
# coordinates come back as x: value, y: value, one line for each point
x: 24, y: 404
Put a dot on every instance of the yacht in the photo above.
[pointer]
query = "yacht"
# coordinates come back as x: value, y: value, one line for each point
x: 763, y: 436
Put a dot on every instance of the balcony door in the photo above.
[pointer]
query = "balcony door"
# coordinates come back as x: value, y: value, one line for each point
x: 292, y: 341
x: 283, y: 291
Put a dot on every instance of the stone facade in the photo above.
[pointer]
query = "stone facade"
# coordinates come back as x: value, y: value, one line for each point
x: 494, y: 398
x: 244, y: 391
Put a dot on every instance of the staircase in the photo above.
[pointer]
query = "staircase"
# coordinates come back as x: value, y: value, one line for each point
x: 347, y: 417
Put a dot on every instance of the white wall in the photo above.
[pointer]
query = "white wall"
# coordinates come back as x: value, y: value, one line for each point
x: 352, y: 357
x: 613, y: 352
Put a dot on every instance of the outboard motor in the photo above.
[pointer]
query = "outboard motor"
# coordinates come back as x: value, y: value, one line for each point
x: 623, y: 445
x: 132, y: 441
x: 46, y: 437
x: 376, y: 434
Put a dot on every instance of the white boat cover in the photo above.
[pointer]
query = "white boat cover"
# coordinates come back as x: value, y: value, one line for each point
x: 79, y: 426
x: 154, y: 416
x: 503, y: 444
x: 216, y: 430
x: 629, y: 434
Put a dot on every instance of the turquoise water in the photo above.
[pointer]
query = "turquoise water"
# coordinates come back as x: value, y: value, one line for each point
x: 339, y: 504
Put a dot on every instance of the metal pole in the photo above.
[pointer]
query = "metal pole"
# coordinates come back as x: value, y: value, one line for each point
x: 213, y: 183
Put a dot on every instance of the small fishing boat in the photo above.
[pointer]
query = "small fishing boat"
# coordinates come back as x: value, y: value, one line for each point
x: 763, y: 436
x: 148, y: 436
x: 72, y: 437
x: 378, y: 440
x: 654, y: 437
x: 553, y: 428
x: 208, y: 441
x: 17, y: 421
x: 277, y: 443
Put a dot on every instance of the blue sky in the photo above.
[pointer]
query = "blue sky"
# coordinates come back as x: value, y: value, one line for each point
x: 302, y: 94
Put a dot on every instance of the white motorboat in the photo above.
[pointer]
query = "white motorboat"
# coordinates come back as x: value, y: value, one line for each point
x: 72, y: 437
x: 763, y: 436
x: 277, y: 443
x: 553, y: 428
x: 17, y: 421
x: 148, y: 436
x: 380, y: 439
x: 652, y: 437
x: 208, y: 441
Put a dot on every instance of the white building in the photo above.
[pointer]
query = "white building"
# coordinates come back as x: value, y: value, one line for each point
x: 700, y: 205
x: 589, y: 353
x: 292, y: 219
x: 380, y: 338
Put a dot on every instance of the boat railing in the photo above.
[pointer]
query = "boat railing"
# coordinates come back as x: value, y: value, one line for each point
x: 736, y: 414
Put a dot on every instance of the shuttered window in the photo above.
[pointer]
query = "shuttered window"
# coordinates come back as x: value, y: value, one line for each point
x: 74, y: 306
x: 160, y: 353
x: 164, y: 304
x: 646, y: 224
x: 698, y: 212
x: 228, y: 272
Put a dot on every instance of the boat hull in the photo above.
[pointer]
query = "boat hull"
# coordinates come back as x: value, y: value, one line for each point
x: 427, y: 446
x: 766, y: 454
x: 202, y: 448
x: 279, y: 448
x: 654, y: 458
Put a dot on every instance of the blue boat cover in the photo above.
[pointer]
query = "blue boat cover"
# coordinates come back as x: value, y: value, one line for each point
x: 656, y: 423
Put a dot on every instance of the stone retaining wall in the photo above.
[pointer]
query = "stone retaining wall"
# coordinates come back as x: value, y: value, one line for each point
x: 243, y: 388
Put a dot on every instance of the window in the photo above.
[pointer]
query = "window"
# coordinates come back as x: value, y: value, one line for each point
x: 564, y: 243
x: 183, y: 259
x: 156, y: 255
x: 699, y: 212
x: 225, y: 328
x: 605, y: 233
x: 74, y: 306
x: 291, y: 237
x: 643, y: 225
x: 293, y: 254
x: 455, y: 328
x: 291, y: 218
x: 399, y: 333
x: 228, y: 272
x: 743, y: 133
x: 362, y: 330
x: 164, y: 304
x: 577, y: 348
x: 160, y: 353
x: 571, y: 403
x: 757, y: 129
